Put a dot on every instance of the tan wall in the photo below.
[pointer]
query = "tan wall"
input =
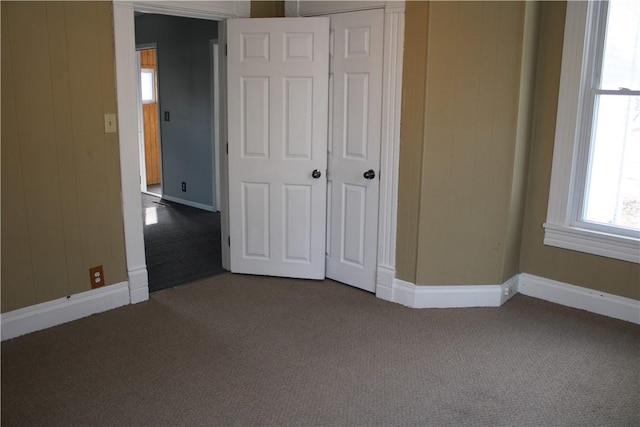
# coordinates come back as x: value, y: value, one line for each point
x: 473, y: 143
x: 267, y: 9
x: 411, y: 137
x: 61, y: 205
x: 595, y: 272
x: 513, y: 240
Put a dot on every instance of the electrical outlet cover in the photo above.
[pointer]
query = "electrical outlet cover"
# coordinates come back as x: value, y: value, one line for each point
x: 96, y: 275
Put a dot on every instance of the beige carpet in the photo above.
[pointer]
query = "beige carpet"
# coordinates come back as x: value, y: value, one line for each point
x: 243, y: 350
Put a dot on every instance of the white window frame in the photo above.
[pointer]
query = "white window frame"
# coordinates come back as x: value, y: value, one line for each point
x: 564, y: 228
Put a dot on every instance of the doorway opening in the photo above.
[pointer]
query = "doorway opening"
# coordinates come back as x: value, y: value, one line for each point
x: 181, y: 222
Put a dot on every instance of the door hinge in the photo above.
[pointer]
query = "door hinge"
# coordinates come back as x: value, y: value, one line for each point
x: 226, y: 50
x: 229, y: 241
x: 379, y: 175
x: 227, y: 148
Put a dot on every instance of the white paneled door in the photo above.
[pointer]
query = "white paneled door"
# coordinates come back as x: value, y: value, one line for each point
x: 286, y: 211
x: 355, y: 108
x: 277, y: 110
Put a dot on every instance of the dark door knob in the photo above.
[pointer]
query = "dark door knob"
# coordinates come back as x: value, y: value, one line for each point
x: 316, y: 174
x: 370, y: 174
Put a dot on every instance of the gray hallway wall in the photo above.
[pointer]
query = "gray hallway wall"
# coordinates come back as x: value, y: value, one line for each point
x: 184, y: 79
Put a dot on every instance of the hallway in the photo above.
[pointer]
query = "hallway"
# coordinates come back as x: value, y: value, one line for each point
x: 182, y: 244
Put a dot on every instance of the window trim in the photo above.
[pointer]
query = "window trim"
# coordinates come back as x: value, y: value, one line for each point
x: 561, y: 228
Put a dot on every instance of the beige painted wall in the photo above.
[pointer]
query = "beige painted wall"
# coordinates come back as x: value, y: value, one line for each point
x: 475, y: 136
x: 595, y: 272
x: 267, y: 9
x: 524, y: 122
x: 61, y: 204
x: 411, y: 137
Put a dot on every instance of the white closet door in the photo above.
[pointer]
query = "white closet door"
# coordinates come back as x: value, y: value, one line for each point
x: 277, y: 108
x: 355, y: 109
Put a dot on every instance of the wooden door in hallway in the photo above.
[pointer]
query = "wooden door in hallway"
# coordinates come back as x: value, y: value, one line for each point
x: 149, y: 68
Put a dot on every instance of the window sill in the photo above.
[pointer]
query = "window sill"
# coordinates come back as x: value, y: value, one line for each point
x: 592, y: 242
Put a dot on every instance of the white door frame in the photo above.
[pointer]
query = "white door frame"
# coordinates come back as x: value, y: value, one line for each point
x: 126, y: 75
x: 215, y: 120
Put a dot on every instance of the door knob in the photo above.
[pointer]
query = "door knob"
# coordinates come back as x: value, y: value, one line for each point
x: 316, y: 174
x: 370, y: 174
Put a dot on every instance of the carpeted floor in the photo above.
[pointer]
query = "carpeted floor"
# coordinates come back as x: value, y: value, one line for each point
x: 246, y: 350
x: 182, y: 244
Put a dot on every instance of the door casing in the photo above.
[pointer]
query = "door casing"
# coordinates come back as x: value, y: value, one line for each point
x: 126, y: 75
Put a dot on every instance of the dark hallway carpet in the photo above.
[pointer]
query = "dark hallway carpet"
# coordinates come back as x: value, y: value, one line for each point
x: 183, y: 245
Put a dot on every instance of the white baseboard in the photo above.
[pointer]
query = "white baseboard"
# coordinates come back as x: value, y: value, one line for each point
x: 579, y: 297
x: 63, y: 310
x: 384, y: 282
x: 408, y: 294
x: 139, y: 295
x: 138, y: 284
x: 509, y: 288
x: 188, y: 203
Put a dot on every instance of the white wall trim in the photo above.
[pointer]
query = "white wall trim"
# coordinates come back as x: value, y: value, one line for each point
x: 579, y: 297
x: 591, y: 300
x: 52, y: 313
x: 188, y: 203
x: 196, y: 9
x: 127, y: 89
x: 138, y: 284
x: 404, y: 293
x: 385, y: 277
x: 390, y: 142
x: 567, y: 117
x: 593, y: 242
x: 63, y: 310
x: 414, y: 296
x: 294, y: 8
x: 509, y: 288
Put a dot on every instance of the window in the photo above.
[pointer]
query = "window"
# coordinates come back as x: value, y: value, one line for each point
x: 594, y: 202
x: 147, y: 86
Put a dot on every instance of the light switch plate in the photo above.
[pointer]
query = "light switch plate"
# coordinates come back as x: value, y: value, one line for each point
x: 110, y: 124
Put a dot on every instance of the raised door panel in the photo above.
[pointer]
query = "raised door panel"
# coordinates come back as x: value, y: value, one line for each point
x: 352, y: 246
x: 298, y: 104
x: 255, y: 220
x: 255, y: 117
x: 356, y: 118
x: 297, y: 222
